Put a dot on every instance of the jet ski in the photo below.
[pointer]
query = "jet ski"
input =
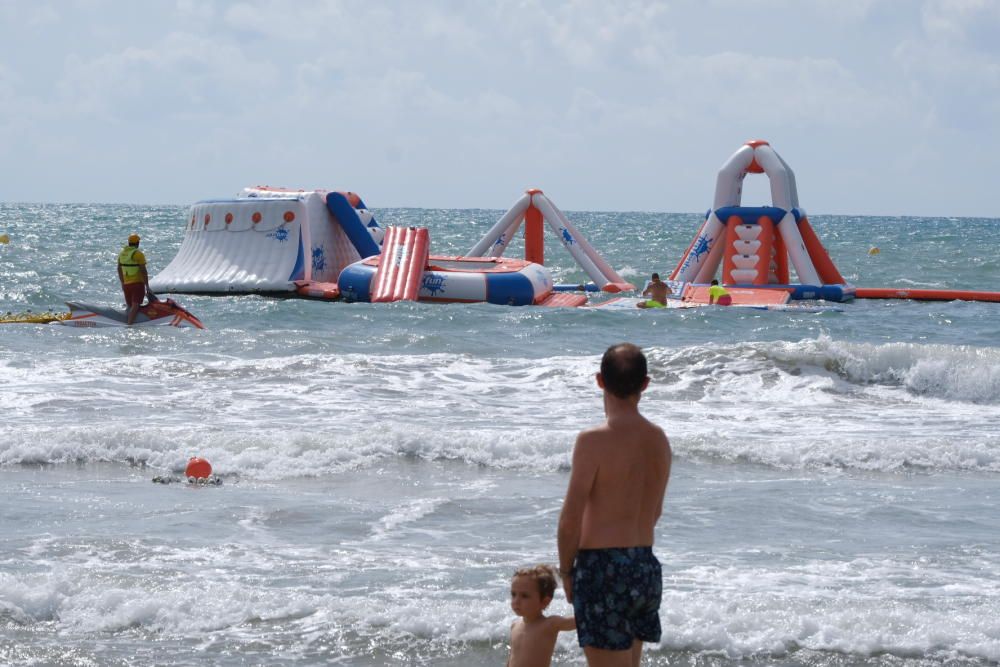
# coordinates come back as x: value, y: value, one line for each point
x: 166, y: 313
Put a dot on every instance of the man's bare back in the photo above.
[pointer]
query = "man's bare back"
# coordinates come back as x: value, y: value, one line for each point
x: 657, y: 291
x: 629, y: 458
x: 606, y: 529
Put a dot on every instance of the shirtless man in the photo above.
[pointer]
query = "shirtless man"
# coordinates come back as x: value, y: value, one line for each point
x: 657, y: 291
x: 614, y: 499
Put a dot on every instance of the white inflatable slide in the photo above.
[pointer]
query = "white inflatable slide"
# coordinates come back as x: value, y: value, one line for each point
x: 265, y: 239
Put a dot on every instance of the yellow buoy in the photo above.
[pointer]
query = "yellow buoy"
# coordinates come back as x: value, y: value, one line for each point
x: 873, y: 251
x: 4, y: 239
x: 29, y: 317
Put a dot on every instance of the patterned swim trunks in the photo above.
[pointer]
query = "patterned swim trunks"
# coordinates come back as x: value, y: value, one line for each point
x: 616, y: 597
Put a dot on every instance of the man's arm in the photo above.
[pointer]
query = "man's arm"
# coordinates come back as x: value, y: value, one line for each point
x: 581, y: 480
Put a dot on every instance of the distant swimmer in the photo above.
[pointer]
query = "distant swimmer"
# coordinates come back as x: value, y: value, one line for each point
x: 533, y: 636
x: 873, y: 251
x: 133, y: 277
x: 4, y: 239
x: 718, y: 295
x: 613, y: 501
x: 657, y: 291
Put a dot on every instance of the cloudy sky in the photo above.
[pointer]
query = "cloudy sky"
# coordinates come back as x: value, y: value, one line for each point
x: 884, y: 107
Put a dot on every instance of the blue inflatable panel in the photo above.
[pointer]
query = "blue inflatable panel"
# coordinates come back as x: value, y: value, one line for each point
x: 509, y: 289
x: 837, y: 293
x: 345, y: 214
x: 752, y: 214
x: 299, y: 270
x: 588, y: 287
x: 355, y: 282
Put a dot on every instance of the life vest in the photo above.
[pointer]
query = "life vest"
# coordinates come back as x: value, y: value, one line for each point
x: 131, y: 271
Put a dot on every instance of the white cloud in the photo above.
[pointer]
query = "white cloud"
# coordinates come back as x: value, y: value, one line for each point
x: 32, y: 14
x: 574, y: 96
x: 181, y: 73
x: 951, y: 20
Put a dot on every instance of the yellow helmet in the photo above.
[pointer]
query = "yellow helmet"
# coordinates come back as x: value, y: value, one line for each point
x: 133, y: 239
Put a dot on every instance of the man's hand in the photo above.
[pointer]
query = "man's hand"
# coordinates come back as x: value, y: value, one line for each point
x: 567, y: 582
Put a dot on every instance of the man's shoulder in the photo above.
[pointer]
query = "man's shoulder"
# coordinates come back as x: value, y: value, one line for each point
x: 594, y: 433
x: 138, y: 257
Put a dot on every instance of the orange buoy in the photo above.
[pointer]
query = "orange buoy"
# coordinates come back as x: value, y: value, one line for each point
x: 198, y: 468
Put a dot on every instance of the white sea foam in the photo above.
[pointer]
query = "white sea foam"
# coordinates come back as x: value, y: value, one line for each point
x: 860, y: 608
x: 864, y: 607
x: 817, y: 402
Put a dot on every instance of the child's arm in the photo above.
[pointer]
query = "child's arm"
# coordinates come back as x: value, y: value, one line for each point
x: 563, y: 623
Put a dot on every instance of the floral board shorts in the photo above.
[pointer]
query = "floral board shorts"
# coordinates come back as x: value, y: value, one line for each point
x: 616, y: 597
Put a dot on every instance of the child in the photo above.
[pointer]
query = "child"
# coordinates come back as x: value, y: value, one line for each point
x: 533, y: 636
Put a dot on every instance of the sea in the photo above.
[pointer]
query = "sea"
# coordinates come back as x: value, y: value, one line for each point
x: 385, y: 468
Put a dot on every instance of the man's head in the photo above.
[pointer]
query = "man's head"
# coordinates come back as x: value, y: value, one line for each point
x: 715, y: 282
x: 656, y: 276
x: 133, y: 239
x: 623, y: 371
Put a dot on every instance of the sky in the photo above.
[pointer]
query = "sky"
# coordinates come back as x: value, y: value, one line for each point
x: 881, y: 107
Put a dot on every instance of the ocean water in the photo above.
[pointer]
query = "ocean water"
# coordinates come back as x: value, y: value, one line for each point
x: 386, y: 467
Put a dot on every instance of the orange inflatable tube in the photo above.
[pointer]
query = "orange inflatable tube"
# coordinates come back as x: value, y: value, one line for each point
x: 925, y: 294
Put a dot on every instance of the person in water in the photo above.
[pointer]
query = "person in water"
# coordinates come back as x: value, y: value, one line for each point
x: 133, y: 277
x: 657, y: 291
x: 533, y: 635
x: 718, y: 295
x: 613, y: 501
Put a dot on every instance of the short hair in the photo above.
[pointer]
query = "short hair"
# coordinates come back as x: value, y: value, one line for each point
x: 656, y: 276
x: 623, y: 369
x: 715, y: 282
x: 544, y: 577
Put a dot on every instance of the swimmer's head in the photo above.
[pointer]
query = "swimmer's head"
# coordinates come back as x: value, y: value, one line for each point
x: 623, y: 370
x: 532, y: 589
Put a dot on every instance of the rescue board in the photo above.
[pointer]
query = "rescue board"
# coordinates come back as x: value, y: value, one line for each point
x: 156, y: 313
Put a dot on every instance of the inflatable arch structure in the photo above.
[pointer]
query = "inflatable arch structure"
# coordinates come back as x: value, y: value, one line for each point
x: 754, y: 245
x: 268, y: 240
x: 535, y: 210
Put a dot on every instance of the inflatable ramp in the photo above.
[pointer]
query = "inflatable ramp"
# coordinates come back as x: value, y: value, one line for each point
x: 401, y: 266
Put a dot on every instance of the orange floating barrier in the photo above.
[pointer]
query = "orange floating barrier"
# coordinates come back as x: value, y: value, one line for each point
x: 925, y: 294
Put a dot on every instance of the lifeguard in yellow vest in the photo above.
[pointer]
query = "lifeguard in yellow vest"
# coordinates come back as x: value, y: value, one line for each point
x: 133, y: 276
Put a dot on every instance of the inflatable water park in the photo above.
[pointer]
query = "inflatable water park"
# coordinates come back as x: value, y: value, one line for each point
x: 328, y: 245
